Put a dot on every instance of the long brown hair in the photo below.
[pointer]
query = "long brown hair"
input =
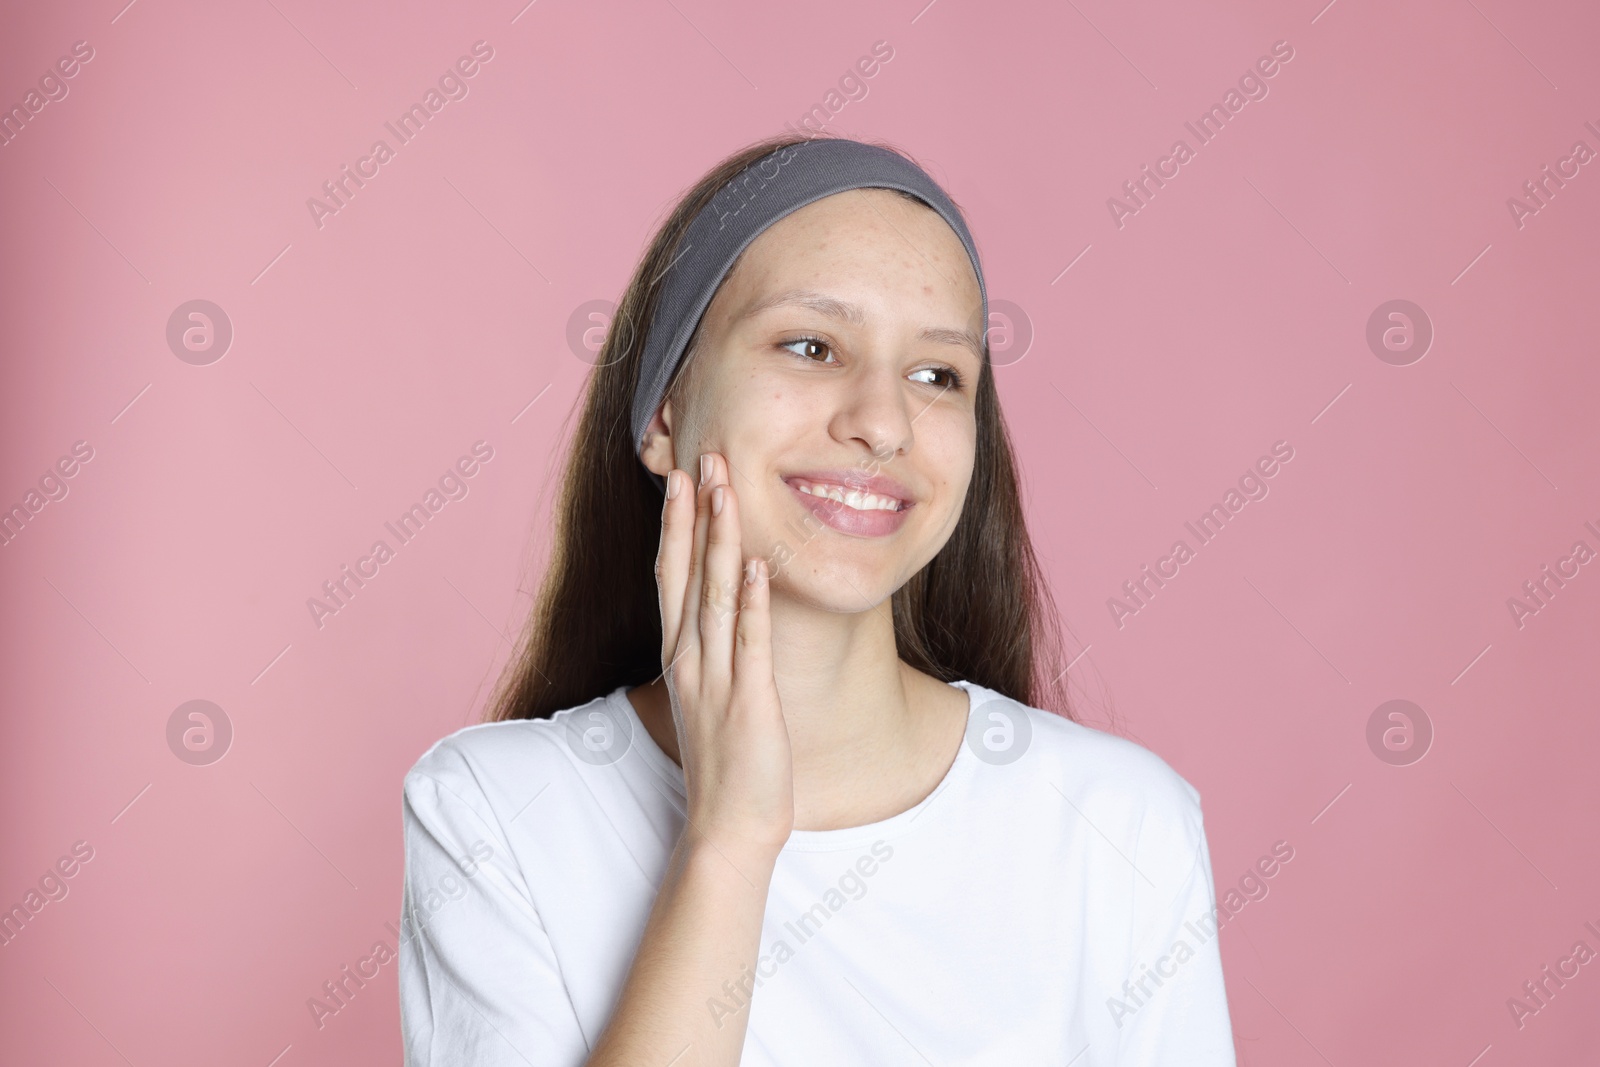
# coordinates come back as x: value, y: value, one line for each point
x: 979, y: 611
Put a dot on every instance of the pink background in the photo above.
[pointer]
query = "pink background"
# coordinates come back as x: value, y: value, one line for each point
x: 368, y: 354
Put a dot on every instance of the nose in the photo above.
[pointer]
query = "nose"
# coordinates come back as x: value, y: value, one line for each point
x: 874, y: 410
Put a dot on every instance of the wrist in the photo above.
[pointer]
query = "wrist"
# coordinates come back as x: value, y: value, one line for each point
x: 745, y: 864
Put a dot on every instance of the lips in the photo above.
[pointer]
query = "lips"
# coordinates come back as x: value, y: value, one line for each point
x: 853, y: 502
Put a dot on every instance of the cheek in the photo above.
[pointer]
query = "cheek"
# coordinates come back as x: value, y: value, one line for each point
x: 948, y: 445
x: 757, y: 419
x: 752, y: 423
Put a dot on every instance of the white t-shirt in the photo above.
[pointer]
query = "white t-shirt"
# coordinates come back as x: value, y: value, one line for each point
x: 1050, y: 902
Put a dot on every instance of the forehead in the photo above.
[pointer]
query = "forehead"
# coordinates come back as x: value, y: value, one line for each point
x: 858, y: 237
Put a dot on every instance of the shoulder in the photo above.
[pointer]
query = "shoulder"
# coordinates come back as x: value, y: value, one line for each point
x: 1112, y: 781
x: 490, y: 765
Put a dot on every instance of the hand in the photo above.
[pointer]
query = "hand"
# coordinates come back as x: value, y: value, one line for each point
x: 716, y: 656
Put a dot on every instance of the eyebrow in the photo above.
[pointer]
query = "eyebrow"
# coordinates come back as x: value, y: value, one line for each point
x: 844, y: 311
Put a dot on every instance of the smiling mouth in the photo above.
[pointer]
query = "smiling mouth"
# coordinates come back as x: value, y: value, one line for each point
x: 850, y: 498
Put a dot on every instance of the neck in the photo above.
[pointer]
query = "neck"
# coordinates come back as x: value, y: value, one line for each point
x: 846, y: 695
x: 869, y: 735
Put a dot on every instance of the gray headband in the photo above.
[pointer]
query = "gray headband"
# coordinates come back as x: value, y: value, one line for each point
x: 781, y: 182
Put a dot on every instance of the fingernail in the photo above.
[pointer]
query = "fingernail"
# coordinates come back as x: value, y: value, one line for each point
x: 705, y: 469
x: 716, y: 501
x: 672, y: 484
x: 750, y: 572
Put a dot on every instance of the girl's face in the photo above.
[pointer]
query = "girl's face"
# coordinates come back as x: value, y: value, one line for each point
x: 836, y: 370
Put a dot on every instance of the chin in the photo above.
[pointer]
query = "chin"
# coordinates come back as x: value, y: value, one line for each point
x: 822, y: 596
x: 829, y: 577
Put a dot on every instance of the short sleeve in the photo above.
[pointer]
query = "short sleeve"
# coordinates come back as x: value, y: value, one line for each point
x: 479, y: 980
x: 1173, y: 1009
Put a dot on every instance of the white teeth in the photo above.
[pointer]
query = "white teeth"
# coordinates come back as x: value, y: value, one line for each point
x: 850, y: 498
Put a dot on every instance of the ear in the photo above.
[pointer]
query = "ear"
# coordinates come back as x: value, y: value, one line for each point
x: 657, y: 452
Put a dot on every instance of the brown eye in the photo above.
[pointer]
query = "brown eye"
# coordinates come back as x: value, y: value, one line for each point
x: 811, y: 348
x: 949, y: 378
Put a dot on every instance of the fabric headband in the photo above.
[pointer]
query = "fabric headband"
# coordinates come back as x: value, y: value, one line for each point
x: 781, y: 182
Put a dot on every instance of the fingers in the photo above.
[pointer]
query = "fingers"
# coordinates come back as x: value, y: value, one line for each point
x: 700, y: 575
x: 752, y: 653
x: 672, y: 559
x: 689, y: 631
x: 719, y: 590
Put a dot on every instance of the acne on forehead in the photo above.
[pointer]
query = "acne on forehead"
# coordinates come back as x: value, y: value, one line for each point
x: 825, y: 226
